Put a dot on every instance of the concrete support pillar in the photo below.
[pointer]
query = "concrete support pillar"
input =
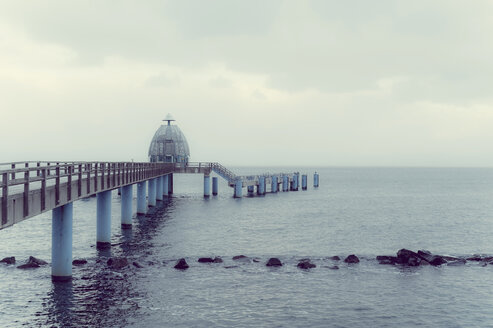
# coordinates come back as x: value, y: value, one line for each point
x: 261, y: 186
x: 304, y: 182
x: 159, y: 188
x: 250, y: 189
x: 127, y: 195
x: 238, y: 188
x: 141, y: 198
x: 103, y: 229
x: 274, y: 186
x: 61, y: 242
x: 165, y: 186
x: 214, y: 186
x: 207, y: 185
x: 285, y: 183
x: 151, y: 192
x: 170, y: 184
x: 315, y: 180
x: 296, y: 181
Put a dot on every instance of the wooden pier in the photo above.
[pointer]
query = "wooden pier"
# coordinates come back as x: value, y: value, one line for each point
x: 31, y: 188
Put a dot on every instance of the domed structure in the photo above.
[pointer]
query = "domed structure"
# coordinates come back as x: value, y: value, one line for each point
x: 169, y: 144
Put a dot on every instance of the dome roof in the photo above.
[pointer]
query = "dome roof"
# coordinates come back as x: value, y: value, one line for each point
x: 169, y: 144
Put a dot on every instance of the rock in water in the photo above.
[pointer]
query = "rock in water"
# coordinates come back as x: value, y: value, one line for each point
x: 335, y: 258
x: 306, y: 264
x: 430, y: 258
x: 8, y: 260
x: 351, y: 259
x: 79, y: 262
x: 239, y: 257
x: 181, y: 264
x: 32, y: 259
x: 217, y: 259
x: 274, y: 261
x: 383, y: 259
x: 32, y: 263
x: 409, y: 258
x: 117, y: 263
x: 137, y: 265
x: 205, y: 260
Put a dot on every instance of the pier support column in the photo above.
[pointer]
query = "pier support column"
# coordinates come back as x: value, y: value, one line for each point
x: 103, y: 229
x: 238, y: 189
x: 170, y: 184
x: 214, y: 186
x: 61, y: 242
x: 151, y: 193
x: 207, y: 185
x: 127, y: 193
x: 304, y: 182
x: 285, y: 183
x: 274, y: 186
x: 159, y: 188
x: 261, y: 186
x: 165, y: 186
x: 296, y: 181
x: 315, y: 180
x: 141, y: 198
x: 250, y: 189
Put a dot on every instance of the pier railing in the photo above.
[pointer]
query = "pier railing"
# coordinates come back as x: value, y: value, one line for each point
x: 30, y: 188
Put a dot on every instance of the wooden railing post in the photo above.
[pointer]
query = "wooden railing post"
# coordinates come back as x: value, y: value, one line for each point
x: 13, y: 173
x: 95, y: 176
x: 79, y: 182
x: 57, y: 185
x: 88, y: 178
x: 26, y: 192
x: 69, y: 183
x: 5, y: 196
x: 38, y: 172
x: 43, y: 189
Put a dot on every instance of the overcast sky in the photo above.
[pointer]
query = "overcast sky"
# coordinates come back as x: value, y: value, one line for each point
x: 360, y: 83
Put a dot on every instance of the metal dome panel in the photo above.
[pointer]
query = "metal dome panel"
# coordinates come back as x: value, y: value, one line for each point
x: 169, y: 145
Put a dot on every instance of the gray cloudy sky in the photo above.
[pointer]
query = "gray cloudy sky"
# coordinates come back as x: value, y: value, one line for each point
x: 384, y: 83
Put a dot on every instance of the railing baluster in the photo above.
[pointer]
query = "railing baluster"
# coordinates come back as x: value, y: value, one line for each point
x: 57, y: 185
x: 69, y: 184
x: 26, y: 192
x: 13, y: 173
x: 88, y: 178
x: 95, y: 177
x: 5, y: 196
x: 43, y: 189
x: 79, y: 182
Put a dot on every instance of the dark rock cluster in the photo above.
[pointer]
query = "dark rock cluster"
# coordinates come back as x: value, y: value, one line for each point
x: 407, y: 257
x: 32, y: 263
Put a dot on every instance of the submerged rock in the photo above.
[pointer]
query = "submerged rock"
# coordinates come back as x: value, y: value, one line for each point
x: 137, y: 265
x: 181, y: 264
x: 383, y: 259
x: 8, y: 260
x: 79, y: 262
x: 306, y: 264
x: 239, y: 257
x: 117, y: 263
x: 351, y: 259
x: 409, y: 258
x: 32, y: 263
x: 334, y: 267
x: 205, y: 260
x: 274, y: 261
x: 430, y: 258
x: 217, y: 259
x: 335, y: 258
x: 458, y: 262
x: 32, y: 259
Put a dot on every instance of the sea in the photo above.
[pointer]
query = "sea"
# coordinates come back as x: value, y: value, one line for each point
x: 355, y: 210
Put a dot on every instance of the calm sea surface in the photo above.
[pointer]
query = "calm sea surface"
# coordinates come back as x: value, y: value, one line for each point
x: 365, y: 211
